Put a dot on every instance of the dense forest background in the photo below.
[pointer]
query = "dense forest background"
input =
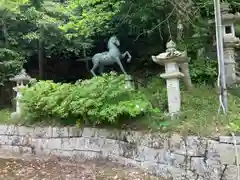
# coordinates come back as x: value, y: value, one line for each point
x: 48, y: 37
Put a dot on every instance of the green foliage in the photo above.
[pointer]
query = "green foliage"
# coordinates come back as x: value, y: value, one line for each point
x: 10, y: 63
x: 102, y: 99
x: 233, y: 115
x: 203, y: 71
x: 5, y: 116
x: 156, y: 92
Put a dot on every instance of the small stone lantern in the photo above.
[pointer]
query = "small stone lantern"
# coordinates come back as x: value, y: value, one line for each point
x: 171, y: 60
x: 230, y: 43
x: 21, y: 80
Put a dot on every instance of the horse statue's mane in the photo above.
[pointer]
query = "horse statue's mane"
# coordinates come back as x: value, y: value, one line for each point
x: 111, y: 41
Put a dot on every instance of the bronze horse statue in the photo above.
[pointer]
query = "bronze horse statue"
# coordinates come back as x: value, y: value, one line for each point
x: 100, y: 60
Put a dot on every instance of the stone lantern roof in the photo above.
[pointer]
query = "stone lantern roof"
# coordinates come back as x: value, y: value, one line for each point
x: 237, y: 17
x: 226, y: 16
x: 170, y: 55
x: 224, y: 7
x: 22, y: 76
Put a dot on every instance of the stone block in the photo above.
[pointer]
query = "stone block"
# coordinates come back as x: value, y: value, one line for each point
x: 41, y: 132
x: 23, y: 131
x: 16, y: 150
x: 75, y: 132
x: 10, y: 130
x: 106, y: 133
x: 89, y: 132
x: 111, y: 147
x: 178, y: 161
x: 58, y: 132
x: 231, y: 173
x: 205, y: 169
x: 41, y: 145
x: 144, y: 153
x: 154, y: 140
x: 225, y: 153
x: 127, y: 150
x: 156, y: 169
x: 3, y: 129
x: 229, y: 139
x: 86, y: 155
x: 188, y: 146
x: 92, y: 144
x: 123, y: 160
x: 15, y: 140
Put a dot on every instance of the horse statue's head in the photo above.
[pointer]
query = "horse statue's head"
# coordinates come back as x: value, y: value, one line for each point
x: 114, y: 40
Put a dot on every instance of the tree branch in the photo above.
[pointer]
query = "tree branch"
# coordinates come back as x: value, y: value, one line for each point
x: 159, y: 24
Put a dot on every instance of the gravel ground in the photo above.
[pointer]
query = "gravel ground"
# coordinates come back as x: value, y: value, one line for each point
x: 53, y: 169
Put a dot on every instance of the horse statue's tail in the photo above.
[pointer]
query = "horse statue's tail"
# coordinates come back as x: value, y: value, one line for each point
x: 86, y: 59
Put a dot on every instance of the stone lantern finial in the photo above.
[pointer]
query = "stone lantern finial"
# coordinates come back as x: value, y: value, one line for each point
x: 224, y: 7
x: 171, y: 45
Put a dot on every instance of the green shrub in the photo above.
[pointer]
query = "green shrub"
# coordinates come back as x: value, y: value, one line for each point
x: 10, y: 63
x: 156, y: 93
x: 102, y: 99
x: 203, y: 71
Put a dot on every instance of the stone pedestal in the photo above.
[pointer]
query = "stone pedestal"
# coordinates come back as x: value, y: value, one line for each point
x: 21, y: 79
x: 129, y: 84
x: 171, y: 60
x: 18, y: 96
x: 230, y: 63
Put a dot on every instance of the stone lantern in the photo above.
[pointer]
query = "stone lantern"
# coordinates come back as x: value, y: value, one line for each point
x: 230, y: 43
x: 21, y: 80
x: 171, y: 60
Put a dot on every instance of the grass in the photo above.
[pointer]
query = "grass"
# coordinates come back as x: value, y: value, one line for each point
x: 5, y: 116
x: 199, y: 112
x: 235, y: 91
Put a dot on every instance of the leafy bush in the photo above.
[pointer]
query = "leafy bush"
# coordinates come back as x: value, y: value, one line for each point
x: 156, y: 93
x: 102, y: 99
x: 10, y: 63
x: 203, y: 71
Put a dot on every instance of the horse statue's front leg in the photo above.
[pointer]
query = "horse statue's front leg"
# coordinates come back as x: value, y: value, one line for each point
x: 118, y: 61
x: 128, y: 54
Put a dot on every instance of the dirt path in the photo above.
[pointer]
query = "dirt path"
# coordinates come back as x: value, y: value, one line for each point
x: 52, y: 169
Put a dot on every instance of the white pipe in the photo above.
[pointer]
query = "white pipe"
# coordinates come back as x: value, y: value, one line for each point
x: 220, y: 54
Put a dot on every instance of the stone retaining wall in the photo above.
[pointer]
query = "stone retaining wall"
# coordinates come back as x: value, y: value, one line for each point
x: 173, y: 156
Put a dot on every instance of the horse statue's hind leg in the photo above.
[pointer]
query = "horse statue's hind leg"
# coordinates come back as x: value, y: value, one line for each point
x: 95, y: 65
x: 118, y: 61
x: 101, y: 69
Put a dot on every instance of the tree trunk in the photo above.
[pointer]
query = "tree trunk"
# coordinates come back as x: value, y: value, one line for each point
x: 187, y: 78
x: 40, y: 55
x: 5, y: 33
x: 184, y: 66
